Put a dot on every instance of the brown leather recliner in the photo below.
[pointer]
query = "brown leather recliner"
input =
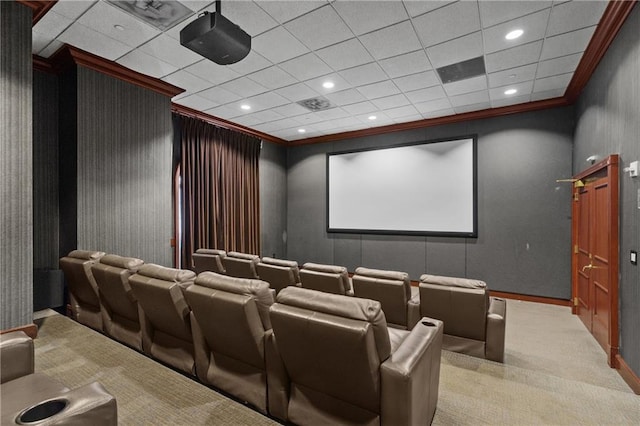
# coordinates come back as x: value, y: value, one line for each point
x: 346, y: 367
x: 393, y: 290
x: 35, y: 398
x: 82, y: 287
x: 165, y: 319
x: 233, y: 338
x: 119, y: 306
x: 208, y: 260
x: 327, y: 278
x: 241, y: 265
x: 279, y: 273
x: 474, y: 323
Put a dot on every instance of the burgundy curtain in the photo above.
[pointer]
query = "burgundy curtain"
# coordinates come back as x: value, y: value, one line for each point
x: 220, y: 191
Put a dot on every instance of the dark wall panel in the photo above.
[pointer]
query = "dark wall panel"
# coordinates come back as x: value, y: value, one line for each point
x: 607, y: 123
x: 273, y: 199
x: 16, y: 167
x: 124, y: 169
x: 524, y: 215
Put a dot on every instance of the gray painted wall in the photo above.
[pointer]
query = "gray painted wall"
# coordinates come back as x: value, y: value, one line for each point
x: 124, y: 169
x: 523, y: 214
x: 273, y: 199
x: 16, y: 216
x: 608, y: 122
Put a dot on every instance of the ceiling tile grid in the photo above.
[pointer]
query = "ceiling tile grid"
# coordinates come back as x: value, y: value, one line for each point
x: 381, y: 56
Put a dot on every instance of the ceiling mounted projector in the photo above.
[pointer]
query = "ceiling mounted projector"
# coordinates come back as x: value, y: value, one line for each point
x: 216, y: 38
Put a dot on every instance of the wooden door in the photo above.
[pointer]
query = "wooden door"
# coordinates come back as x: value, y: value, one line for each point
x: 595, y: 265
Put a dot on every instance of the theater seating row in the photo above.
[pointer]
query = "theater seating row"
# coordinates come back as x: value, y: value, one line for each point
x: 307, y: 357
x: 474, y: 322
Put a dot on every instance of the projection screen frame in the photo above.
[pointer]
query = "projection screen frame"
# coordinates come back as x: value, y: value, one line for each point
x: 455, y: 234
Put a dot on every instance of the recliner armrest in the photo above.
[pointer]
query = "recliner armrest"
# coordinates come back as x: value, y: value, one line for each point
x: 411, y: 375
x: 413, y: 310
x: 16, y: 355
x: 496, y: 322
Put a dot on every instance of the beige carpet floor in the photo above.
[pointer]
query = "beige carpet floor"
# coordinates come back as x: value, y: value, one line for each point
x: 554, y: 374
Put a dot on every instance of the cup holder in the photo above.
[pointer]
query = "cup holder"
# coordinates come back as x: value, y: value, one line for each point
x: 42, y: 411
x: 428, y: 323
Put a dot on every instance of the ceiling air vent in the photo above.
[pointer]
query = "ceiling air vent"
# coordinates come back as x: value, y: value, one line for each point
x: 462, y: 70
x: 316, y: 104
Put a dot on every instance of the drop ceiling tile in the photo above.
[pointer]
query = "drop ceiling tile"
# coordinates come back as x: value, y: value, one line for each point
x: 247, y: 15
x: 436, y: 27
x: 51, y: 49
x: 475, y: 107
x: 566, y: 44
x: 103, y: 17
x: 510, y: 101
x: 513, y: 75
x: 523, y: 89
x: 170, y: 51
x: 360, y: 108
x: 251, y: 63
x: 332, y: 114
x: 283, y: 11
x: 514, y: 57
x: 551, y: 83
x: 458, y: 50
x: 408, y: 118
x: 408, y: 63
x: 379, y: 90
x: 306, y: 67
x: 424, y: 95
x: 246, y: 120
x: 287, y: 45
x: 417, y: 81
x: 404, y: 111
x: 285, y: 123
x: 495, y: 12
x: 319, y: 28
x: 364, y: 74
x: 224, y: 111
x: 297, y: 92
x: 343, y: 55
x: 393, y: 101
x: 561, y: 65
x: 470, y: 98
x: 212, y: 72
x: 575, y: 15
x: 198, y: 5
x: 71, y: 9
x: 146, y: 64
x: 345, y: 97
x: 187, y: 81
x: 438, y: 113
x: 418, y: 7
x: 381, y: 119
x: 219, y: 95
x: 267, y: 116
x: 93, y: 42
x: 290, y: 110
x: 391, y: 41
x: 431, y: 106
x: 266, y: 100
x: 272, y: 78
x: 52, y: 25
x: 549, y: 94
x: 534, y: 27
x: 365, y: 16
x: 39, y: 42
x: 466, y: 86
x: 309, y: 118
x: 244, y: 87
x: 339, y: 83
x: 196, y: 102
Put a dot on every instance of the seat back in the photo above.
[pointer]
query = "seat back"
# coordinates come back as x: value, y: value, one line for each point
x: 166, y: 332
x: 120, y: 314
x: 332, y: 347
x: 327, y: 278
x: 241, y: 265
x: 83, y: 290
x: 462, y: 304
x: 391, y: 288
x: 278, y: 273
x: 208, y: 260
x: 232, y: 316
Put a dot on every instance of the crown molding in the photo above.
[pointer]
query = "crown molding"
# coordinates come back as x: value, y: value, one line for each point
x: 220, y: 122
x: 39, y: 7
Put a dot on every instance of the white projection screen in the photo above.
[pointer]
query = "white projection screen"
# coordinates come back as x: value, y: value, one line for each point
x: 425, y: 188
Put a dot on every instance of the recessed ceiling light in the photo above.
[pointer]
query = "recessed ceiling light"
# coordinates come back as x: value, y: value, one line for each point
x: 514, y: 34
x: 328, y: 84
x: 245, y: 107
x: 372, y: 117
x: 301, y: 131
x: 118, y: 27
x: 510, y: 91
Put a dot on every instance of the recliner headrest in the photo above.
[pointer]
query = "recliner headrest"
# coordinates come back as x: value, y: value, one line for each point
x: 246, y: 256
x: 280, y: 262
x: 167, y: 274
x: 214, y: 252
x: 86, y: 254
x: 386, y: 275
x: 130, y: 263
x: 452, y: 281
x: 332, y: 269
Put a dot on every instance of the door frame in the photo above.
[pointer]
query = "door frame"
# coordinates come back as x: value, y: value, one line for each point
x: 609, y: 170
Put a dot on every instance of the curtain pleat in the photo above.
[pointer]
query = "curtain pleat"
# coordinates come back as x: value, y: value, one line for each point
x: 220, y: 187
